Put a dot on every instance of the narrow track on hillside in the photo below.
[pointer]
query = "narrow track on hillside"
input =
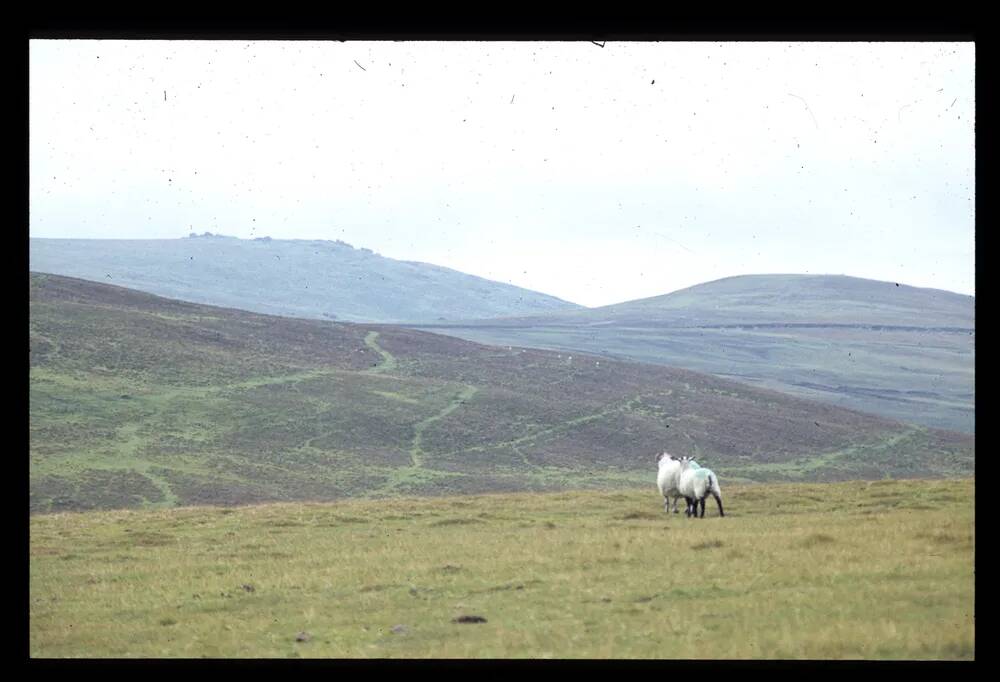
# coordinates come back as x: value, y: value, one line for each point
x: 128, y: 458
x: 416, y: 451
x: 128, y: 443
x: 614, y: 407
x: 144, y: 467
x: 389, y: 363
x: 798, y: 468
x: 166, y: 392
x: 417, y: 468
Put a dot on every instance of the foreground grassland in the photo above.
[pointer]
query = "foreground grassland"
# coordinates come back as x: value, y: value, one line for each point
x: 869, y: 570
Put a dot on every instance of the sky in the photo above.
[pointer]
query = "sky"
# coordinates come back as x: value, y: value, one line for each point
x: 595, y: 174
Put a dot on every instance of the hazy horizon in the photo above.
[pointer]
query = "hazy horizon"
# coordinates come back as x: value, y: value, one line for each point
x: 596, y: 175
x: 362, y: 246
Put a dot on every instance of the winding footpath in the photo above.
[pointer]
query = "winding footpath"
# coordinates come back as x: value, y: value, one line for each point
x: 388, y: 364
x: 416, y: 469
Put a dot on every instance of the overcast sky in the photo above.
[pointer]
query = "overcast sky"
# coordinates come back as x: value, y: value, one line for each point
x: 597, y: 175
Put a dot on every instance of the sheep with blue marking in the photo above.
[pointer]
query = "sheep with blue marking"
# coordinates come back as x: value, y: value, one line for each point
x: 667, y: 475
x: 695, y: 483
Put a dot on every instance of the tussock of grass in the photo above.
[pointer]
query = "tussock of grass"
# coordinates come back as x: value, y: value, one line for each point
x: 455, y: 522
x: 945, y: 538
x: 351, y: 519
x: 816, y: 539
x: 149, y: 539
x: 376, y: 588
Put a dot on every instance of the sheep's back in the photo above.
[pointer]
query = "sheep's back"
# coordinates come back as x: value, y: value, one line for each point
x: 694, y: 482
x: 685, y: 483
x: 666, y: 477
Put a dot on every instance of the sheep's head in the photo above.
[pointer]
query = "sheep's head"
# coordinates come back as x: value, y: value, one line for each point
x: 664, y: 457
x: 687, y: 461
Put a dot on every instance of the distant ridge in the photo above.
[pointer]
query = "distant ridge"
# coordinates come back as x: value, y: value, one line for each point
x: 812, y: 298
x: 302, y: 278
x: 785, y: 299
x: 884, y: 347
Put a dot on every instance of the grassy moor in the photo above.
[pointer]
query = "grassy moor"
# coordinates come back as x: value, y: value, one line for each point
x: 576, y: 262
x: 208, y: 482
x: 138, y: 401
x: 856, y: 570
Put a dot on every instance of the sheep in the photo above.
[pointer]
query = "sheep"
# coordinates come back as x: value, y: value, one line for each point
x: 695, y: 483
x: 669, y: 470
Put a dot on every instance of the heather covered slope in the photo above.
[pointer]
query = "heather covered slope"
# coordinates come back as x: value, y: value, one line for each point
x: 902, y: 352
x: 137, y: 400
x: 299, y: 278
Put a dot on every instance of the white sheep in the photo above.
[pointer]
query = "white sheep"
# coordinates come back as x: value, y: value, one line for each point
x: 669, y: 471
x: 695, y: 483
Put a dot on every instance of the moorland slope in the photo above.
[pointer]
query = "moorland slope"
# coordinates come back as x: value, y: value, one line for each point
x: 137, y: 400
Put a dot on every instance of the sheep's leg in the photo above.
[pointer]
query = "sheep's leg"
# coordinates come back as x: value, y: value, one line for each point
x: 702, y: 500
x: 690, y: 506
x: 718, y: 501
x: 666, y: 504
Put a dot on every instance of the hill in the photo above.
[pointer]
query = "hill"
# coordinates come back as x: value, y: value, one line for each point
x: 138, y: 400
x: 297, y: 278
x: 902, y: 352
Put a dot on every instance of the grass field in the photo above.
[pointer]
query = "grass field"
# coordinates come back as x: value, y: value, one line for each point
x: 863, y: 570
